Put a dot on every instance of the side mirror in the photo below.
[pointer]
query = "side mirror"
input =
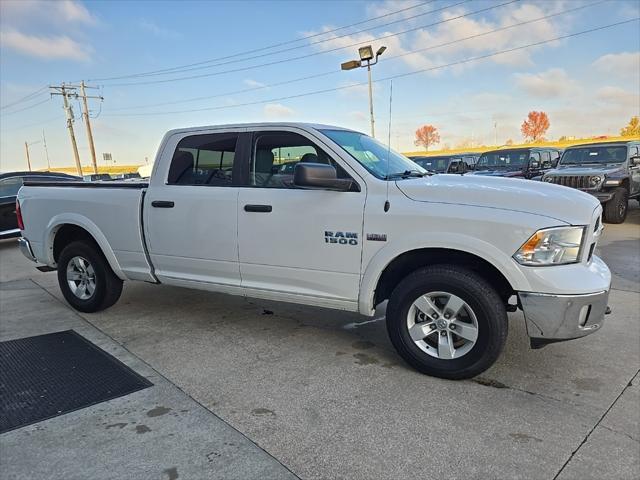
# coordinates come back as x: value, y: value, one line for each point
x: 320, y: 176
x: 534, y: 164
x: 634, y: 161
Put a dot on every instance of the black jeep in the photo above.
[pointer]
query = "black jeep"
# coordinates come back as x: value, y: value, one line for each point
x: 608, y: 171
x: 517, y: 162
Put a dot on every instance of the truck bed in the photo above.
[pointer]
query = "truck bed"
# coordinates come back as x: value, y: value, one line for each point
x: 110, y: 211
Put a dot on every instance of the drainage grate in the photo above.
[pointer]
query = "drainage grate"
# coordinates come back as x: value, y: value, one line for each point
x: 49, y: 375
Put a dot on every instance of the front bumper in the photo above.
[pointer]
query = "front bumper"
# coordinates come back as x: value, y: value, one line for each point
x: 554, y: 318
x: 603, y: 197
x: 25, y: 248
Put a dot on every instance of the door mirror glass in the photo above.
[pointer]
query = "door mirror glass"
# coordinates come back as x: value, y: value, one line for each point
x: 534, y: 164
x: 321, y: 176
x: 635, y: 161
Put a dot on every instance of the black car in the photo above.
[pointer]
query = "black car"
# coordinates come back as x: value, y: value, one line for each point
x: 456, y: 163
x: 10, y: 183
x: 517, y: 162
x: 97, y: 177
x: 463, y: 162
x: 608, y: 171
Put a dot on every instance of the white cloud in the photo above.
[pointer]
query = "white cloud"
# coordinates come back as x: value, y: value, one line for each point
x: 62, y: 11
x: 153, y: 28
x: 47, y: 47
x: 552, y: 83
x: 277, y: 110
x: 624, y: 63
x: 619, y: 96
x: 253, y: 83
x: 446, y: 36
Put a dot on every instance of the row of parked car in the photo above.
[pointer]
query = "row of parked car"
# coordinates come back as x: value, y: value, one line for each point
x: 608, y: 171
x: 11, y: 182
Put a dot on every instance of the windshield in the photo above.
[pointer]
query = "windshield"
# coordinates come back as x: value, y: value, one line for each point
x: 434, y: 164
x: 377, y: 158
x: 585, y: 155
x: 510, y: 160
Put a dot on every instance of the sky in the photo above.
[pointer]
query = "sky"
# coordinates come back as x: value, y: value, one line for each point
x: 169, y: 64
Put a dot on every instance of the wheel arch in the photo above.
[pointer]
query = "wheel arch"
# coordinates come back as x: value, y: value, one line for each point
x: 386, y: 270
x: 67, y: 228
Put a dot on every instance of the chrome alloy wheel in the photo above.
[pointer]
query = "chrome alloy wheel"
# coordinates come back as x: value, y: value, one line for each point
x: 442, y: 325
x: 81, y: 278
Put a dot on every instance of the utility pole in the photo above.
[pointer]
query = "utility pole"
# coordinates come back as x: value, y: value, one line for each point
x: 46, y: 151
x: 67, y: 91
x: 85, y: 115
x: 26, y: 147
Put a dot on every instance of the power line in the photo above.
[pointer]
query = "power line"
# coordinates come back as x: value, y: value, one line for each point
x: 402, y: 75
x: 275, y: 45
x: 286, y: 60
x: 228, y: 62
x: 332, y: 72
x: 26, y: 108
x: 25, y: 98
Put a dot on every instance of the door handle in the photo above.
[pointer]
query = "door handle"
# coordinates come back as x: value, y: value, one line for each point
x: 258, y: 208
x: 162, y: 204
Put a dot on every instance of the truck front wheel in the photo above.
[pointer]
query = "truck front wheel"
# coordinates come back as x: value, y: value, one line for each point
x: 446, y: 321
x: 86, y: 279
x: 615, y: 210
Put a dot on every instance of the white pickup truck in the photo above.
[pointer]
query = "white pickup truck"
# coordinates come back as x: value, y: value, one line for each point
x: 325, y: 216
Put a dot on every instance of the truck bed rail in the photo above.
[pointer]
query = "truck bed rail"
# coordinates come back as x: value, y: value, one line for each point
x: 132, y: 185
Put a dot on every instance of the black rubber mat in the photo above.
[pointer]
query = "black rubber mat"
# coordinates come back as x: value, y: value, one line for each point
x: 49, y: 375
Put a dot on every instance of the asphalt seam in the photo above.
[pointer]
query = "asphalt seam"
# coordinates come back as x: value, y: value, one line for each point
x: 74, y: 312
x: 584, y: 440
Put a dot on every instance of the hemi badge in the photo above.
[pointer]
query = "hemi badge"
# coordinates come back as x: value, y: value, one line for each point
x: 377, y: 237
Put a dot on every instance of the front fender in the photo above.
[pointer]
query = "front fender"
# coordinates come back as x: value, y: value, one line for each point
x: 75, y: 219
x: 451, y: 241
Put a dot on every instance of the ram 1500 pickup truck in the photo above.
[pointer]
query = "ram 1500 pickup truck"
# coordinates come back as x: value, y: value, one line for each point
x: 352, y: 225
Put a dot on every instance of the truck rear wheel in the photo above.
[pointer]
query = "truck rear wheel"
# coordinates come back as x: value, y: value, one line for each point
x: 86, y: 279
x: 615, y: 210
x: 446, y: 321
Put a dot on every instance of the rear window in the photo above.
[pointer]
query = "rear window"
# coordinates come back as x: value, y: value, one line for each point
x: 204, y: 160
x: 9, y: 186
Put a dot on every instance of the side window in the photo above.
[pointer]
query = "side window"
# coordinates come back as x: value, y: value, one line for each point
x: 276, y: 154
x: 204, y: 160
x: 9, y: 186
x: 534, y: 157
x: 546, y: 159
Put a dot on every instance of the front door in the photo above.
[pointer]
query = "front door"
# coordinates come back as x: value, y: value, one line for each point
x: 302, y: 243
x: 191, y: 211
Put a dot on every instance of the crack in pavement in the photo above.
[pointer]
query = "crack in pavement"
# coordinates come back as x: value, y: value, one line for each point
x: 584, y: 440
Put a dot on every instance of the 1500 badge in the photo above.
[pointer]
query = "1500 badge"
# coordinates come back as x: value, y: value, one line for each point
x: 341, y: 238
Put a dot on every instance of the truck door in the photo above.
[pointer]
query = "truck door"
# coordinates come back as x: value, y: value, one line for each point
x: 302, y: 242
x: 191, y: 210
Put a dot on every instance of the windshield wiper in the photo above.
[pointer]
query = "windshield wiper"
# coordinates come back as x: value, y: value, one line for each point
x: 405, y: 174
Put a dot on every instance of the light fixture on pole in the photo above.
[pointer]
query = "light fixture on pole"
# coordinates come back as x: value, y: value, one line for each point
x: 366, y: 57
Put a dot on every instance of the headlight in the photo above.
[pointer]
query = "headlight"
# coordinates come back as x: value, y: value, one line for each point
x: 611, y: 182
x: 547, y: 179
x: 595, y: 181
x: 552, y: 246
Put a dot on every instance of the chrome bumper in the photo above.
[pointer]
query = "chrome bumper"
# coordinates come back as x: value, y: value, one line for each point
x: 25, y: 248
x: 554, y: 318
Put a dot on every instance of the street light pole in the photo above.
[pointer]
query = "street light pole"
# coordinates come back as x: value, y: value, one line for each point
x: 373, y: 121
x: 366, y: 55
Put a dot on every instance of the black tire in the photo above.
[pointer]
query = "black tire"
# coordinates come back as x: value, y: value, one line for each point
x: 108, y: 286
x: 615, y: 210
x: 477, y: 293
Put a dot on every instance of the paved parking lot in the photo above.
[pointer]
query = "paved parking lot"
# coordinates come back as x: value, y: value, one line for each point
x: 322, y: 394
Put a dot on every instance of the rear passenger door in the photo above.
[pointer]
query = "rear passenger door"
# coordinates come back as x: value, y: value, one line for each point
x: 298, y: 243
x: 191, y: 210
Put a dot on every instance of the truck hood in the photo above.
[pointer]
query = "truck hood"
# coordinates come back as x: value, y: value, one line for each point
x: 586, y: 170
x: 537, y: 198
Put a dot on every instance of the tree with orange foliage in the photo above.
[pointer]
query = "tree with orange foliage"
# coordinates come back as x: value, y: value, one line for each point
x: 426, y: 136
x: 535, y: 126
x: 632, y: 129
